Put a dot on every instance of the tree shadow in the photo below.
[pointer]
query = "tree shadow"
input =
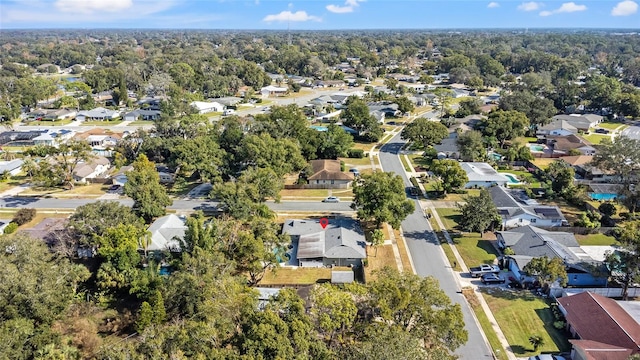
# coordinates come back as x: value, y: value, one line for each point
x: 519, y: 349
x: 426, y: 235
x: 559, y: 337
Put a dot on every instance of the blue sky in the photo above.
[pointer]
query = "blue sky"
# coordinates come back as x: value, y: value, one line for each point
x: 318, y: 14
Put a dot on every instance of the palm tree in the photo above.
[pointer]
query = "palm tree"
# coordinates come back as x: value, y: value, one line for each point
x: 536, y: 341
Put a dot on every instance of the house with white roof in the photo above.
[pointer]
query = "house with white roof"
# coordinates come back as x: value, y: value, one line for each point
x: 341, y: 242
x: 142, y: 114
x: 167, y: 233
x: 13, y: 167
x: 91, y: 169
x: 273, y: 90
x: 581, y: 122
x: 482, y: 175
x: 98, y: 114
x: 204, y: 107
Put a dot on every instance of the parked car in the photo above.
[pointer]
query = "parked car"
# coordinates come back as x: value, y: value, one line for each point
x: 546, y: 357
x: 355, y: 172
x: 484, y: 269
x: 602, y: 131
x: 114, y: 188
x: 492, y: 279
x: 331, y: 199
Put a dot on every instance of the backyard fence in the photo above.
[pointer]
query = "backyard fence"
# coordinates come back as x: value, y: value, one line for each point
x: 607, y: 292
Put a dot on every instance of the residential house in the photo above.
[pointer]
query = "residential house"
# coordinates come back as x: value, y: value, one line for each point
x: 51, y: 115
x: 583, y: 169
x: 581, y: 122
x: 165, y: 174
x: 380, y: 110
x: 13, y: 167
x: 44, y: 139
x: 528, y: 242
x: 558, y: 127
x: 482, y: 175
x: 91, y: 169
x: 601, y: 327
x: 101, y: 141
x: 328, y: 83
x: 98, y: 114
x: 229, y: 100
x: 326, y: 174
x: 120, y: 178
x: 3, y: 224
x: 204, y: 107
x: 564, y: 145
x: 273, y: 91
x: 340, y: 243
x: 19, y: 138
x: 48, y: 230
x: 167, y: 233
x: 516, y: 209
x: 448, y: 148
x: 460, y: 93
x: 142, y: 114
x: 150, y: 103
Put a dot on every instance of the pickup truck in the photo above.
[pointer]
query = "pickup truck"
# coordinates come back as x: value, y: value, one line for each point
x: 484, y: 269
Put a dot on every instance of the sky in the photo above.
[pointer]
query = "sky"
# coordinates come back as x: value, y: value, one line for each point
x: 318, y: 14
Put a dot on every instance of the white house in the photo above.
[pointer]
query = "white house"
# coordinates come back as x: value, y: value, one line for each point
x: 142, y: 114
x: 581, y: 122
x: 98, y: 114
x: 204, y: 107
x: 91, y: 169
x: 13, y: 167
x: 273, y: 90
x: 558, y: 127
x: 167, y: 233
x: 482, y: 175
x: 516, y: 209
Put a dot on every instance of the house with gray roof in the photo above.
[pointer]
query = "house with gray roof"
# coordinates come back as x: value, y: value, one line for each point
x: 167, y: 233
x: 558, y: 127
x: 529, y: 242
x: 482, y: 175
x: 516, y: 209
x: 12, y: 167
x: 340, y: 243
x: 142, y: 114
x: 581, y: 122
x: 98, y: 114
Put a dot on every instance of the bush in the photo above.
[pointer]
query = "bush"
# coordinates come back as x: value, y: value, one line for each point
x: 355, y: 153
x: 11, y: 228
x: 342, y: 166
x: 559, y: 325
x: 23, y: 216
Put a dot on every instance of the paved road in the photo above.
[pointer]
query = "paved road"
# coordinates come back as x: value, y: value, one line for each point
x: 178, y: 204
x: 429, y: 259
x: 632, y: 132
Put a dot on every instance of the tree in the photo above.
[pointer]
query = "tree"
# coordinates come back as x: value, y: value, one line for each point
x: 283, y: 156
x: 202, y: 155
x: 404, y: 104
x: 444, y: 97
x: 504, y: 125
x: 468, y: 107
x: 602, y: 91
x: 380, y: 197
x: 425, y: 132
x: 143, y: 186
x: 547, y: 270
x: 607, y: 209
x: 23, y: 216
x: 92, y: 220
x: 562, y: 176
x: 471, y: 146
x: 245, y: 197
x: 334, y: 143
x: 624, y: 263
x: 538, y: 109
x: 356, y: 116
x: 333, y: 310
x: 450, y: 173
x: 377, y: 239
x: 622, y: 157
x: 64, y: 160
x: 479, y: 213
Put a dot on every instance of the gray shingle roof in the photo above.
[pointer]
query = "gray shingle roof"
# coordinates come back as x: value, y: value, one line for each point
x: 341, y: 239
x: 535, y: 242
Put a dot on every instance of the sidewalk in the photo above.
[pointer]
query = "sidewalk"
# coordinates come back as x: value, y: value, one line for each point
x: 14, y: 190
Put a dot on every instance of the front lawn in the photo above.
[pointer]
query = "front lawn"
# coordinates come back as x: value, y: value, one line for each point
x: 295, y: 276
x: 596, y: 139
x: 473, y: 249
x: 351, y: 162
x: 304, y: 193
x: 384, y: 257
x: 50, y: 123
x: 102, y: 123
x: 612, y: 126
x: 520, y: 315
x: 596, y: 240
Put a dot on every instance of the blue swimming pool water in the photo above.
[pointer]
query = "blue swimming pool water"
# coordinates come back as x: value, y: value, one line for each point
x: 603, y: 197
x: 319, y: 128
x: 538, y: 148
x: 512, y: 179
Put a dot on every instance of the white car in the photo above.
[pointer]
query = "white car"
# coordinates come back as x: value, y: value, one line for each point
x: 331, y: 199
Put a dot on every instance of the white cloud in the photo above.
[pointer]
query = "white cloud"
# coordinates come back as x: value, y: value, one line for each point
x: 349, y: 6
x: 530, y: 6
x: 565, y: 8
x: 298, y: 16
x: 91, y: 6
x: 625, y: 8
x: 493, y: 4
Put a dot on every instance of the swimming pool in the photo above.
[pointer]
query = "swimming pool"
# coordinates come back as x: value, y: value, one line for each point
x: 512, y: 179
x: 536, y: 148
x: 603, y: 196
x: 319, y: 128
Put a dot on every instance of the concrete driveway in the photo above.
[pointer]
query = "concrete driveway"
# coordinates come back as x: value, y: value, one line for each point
x: 632, y: 132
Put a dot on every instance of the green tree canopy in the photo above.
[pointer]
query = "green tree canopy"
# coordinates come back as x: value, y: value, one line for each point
x: 425, y: 132
x: 504, y: 125
x: 450, y: 173
x: 471, y: 146
x: 479, y: 213
x: 143, y: 186
x: 380, y: 197
x: 547, y: 270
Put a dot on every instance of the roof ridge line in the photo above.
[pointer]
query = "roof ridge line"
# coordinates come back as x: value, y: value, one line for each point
x: 614, y: 319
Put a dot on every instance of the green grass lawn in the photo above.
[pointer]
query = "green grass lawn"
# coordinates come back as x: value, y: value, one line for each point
x: 596, y: 138
x: 102, y: 123
x: 472, y: 248
x: 596, y: 240
x: 141, y: 122
x: 293, y: 276
x: 350, y: 162
x: 404, y: 163
x: 520, y: 315
x: 487, y: 328
x: 364, y: 146
x: 612, y: 126
x: 50, y: 123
